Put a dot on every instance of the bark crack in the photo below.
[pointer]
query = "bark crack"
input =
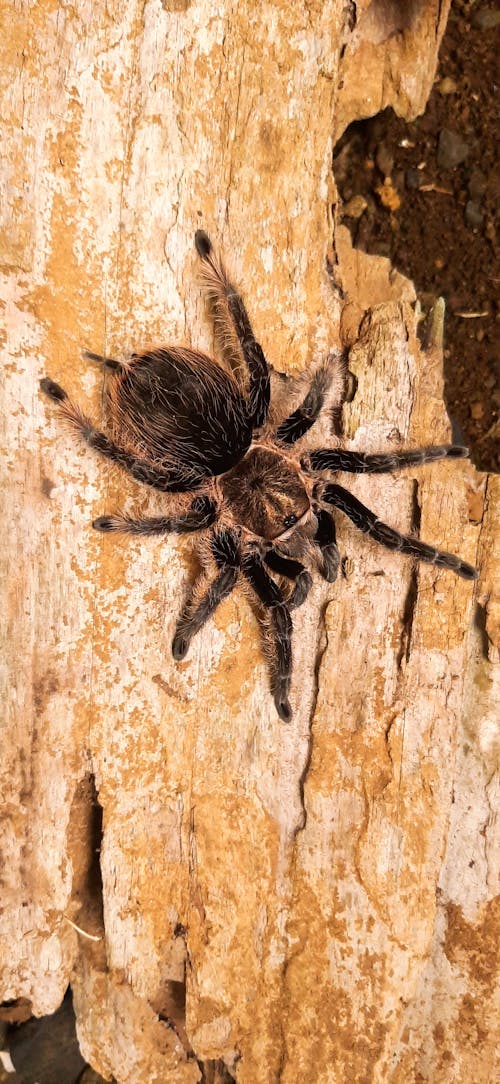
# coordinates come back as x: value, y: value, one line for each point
x: 411, y: 599
x: 84, y: 841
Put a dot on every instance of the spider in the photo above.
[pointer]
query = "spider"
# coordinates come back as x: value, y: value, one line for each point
x: 184, y: 424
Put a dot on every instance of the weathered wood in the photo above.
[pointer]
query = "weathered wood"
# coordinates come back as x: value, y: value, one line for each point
x: 303, y: 902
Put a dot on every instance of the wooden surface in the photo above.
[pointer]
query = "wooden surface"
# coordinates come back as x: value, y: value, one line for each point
x: 305, y: 902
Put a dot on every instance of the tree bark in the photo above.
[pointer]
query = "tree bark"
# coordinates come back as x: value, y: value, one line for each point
x: 268, y: 902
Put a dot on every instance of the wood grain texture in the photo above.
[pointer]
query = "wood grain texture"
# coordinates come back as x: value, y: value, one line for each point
x: 389, y: 58
x: 304, y: 902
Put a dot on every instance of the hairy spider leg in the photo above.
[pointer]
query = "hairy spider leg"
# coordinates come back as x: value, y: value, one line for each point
x: 306, y: 414
x: 279, y: 630
x: 367, y: 521
x: 198, y: 608
x: 359, y: 463
x: 291, y: 570
x: 326, y: 539
x: 107, y: 363
x: 165, y: 481
x: 222, y: 290
x: 201, y: 514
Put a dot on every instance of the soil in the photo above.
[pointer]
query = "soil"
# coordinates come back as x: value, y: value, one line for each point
x: 425, y: 194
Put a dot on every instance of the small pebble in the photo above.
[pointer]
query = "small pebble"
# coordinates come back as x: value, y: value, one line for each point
x: 398, y: 179
x: 447, y: 85
x: 452, y: 149
x: 388, y: 196
x: 473, y: 215
x: 384, y: 159
x: 485, y: 19
x: 354, y: 207
x: 413, y: 178
x: 477, y: 184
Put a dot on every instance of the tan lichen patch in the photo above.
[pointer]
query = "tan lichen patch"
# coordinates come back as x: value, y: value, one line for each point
x: 475, y: 947
x: 328, y: 1012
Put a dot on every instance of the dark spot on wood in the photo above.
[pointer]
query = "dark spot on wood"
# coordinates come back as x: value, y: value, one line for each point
x: 47, y: 486
x: 44, y: 688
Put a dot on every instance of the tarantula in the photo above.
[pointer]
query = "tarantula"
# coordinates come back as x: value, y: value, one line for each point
x: 184, y: 424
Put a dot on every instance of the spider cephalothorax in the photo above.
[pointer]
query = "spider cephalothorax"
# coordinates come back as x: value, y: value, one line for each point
x: 183, y: 424
x: 266, y: 493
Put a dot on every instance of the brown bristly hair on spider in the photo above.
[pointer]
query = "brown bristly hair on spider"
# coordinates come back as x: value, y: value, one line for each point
x: 260, y: 505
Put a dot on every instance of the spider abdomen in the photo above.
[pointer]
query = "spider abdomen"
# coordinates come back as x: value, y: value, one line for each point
x: 177, y: 407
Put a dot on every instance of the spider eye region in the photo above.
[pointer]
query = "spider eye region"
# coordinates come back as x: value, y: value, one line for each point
x: 265, y: 493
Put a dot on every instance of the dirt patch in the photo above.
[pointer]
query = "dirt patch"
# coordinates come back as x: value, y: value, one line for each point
x: 425, y: 195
